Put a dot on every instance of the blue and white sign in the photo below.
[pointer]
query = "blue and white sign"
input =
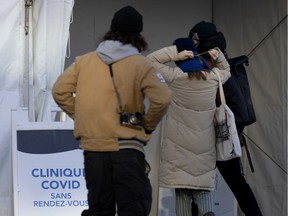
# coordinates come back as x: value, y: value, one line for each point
x: 48, y: 172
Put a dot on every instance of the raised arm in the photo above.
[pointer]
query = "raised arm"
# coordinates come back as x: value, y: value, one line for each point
x: 161, y: 57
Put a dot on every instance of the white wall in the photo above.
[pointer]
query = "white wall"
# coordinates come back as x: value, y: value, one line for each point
x: 164, y: 21
x: 248, y: 28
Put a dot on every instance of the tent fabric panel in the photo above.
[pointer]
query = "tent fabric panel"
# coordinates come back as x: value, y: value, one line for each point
x: 266, y: 47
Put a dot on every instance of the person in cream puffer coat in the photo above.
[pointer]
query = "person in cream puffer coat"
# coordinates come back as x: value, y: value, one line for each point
x: 188, y: 157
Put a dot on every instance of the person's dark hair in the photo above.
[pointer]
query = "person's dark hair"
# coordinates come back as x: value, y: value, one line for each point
x: 217, y: 40
x: 199, y: 75
x: 135, y: 39
x: 209, y: 37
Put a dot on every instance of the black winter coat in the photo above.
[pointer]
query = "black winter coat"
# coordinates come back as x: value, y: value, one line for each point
x: 237, y: 92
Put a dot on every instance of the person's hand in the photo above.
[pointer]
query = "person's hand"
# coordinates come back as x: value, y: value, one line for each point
x: 214, y: 53
x: 144, y: 137
x: 185, y: 54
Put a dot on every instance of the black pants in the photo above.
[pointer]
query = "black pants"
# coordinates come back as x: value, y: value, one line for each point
x: 232, y: 173
x: 117, y: 180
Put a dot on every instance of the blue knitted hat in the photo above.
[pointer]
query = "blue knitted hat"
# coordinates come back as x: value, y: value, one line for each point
x: 198, y: 63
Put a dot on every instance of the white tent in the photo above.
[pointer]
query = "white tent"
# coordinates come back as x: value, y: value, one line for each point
x: 33, y: 46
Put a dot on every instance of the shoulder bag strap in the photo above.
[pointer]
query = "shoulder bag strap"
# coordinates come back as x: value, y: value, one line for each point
x: 221, y: 92
x: 116, y: 90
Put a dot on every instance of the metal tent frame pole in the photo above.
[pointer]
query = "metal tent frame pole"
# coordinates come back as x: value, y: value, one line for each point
x: 29, y: 70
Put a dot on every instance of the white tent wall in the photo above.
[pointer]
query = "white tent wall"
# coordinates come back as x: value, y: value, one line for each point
x: 11, y: 72
x: 51, y: 22
x: 29, y: 63
x: 258, y: 29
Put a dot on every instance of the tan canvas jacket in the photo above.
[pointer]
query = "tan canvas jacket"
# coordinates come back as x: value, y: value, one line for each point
x: 86, y: 93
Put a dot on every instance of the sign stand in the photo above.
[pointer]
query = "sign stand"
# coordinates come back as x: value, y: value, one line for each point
x: 48, y: 169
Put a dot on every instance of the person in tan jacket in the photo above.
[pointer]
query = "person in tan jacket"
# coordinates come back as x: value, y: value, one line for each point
x: 188, y: 155
x: 104, y: 92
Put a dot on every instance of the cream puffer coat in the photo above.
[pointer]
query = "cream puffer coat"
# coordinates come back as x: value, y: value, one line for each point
x: 188, y: 157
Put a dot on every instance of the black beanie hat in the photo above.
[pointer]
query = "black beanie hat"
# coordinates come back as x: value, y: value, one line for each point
x: 127, y: 19
x: 204, y: 30
x: 208, y: 36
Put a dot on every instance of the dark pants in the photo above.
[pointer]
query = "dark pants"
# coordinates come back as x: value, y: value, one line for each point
x: 117, y: 180
x: 232, y: 173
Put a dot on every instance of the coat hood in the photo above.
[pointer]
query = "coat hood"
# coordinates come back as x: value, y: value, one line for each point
x: 112, y: 51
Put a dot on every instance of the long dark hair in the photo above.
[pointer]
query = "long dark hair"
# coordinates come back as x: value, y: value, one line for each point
x: 199, y: 75
x: 135, y: 39
x: 217, y: 40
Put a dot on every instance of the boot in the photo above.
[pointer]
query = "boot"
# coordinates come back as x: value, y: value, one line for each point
x: 209, y: 214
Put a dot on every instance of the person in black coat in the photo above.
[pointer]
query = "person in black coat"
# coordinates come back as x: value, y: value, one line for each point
x: 206, y: 37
